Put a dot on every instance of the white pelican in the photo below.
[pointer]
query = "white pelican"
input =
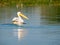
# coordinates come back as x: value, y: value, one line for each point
x: 18, y: 20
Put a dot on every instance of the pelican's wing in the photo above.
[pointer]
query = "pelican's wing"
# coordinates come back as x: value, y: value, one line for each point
x: 15, y: 19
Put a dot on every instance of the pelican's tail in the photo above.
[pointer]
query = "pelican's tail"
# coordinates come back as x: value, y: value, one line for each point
x: 24, y: 23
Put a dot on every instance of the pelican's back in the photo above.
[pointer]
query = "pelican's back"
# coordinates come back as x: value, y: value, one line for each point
x: 15, y: 19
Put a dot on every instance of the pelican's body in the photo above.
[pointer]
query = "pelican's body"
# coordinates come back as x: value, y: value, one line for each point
x: 18, y: 20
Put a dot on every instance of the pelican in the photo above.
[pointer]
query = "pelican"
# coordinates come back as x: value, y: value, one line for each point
x: 18, y: 20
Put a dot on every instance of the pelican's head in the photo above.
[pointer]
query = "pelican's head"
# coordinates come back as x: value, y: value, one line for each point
x: 20, y: 14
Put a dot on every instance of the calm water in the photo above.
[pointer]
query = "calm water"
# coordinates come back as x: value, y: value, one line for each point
x: 42, y: 28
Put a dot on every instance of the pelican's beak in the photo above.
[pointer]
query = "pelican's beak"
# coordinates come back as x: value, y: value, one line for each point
x: 24, y: 16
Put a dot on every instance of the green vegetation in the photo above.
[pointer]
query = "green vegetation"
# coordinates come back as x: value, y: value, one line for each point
x: 28, y: 2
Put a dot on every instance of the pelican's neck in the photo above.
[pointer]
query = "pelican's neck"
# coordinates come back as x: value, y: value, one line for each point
x: 19, y: 17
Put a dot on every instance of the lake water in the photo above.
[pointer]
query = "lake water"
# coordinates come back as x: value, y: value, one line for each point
x: 42, y: 28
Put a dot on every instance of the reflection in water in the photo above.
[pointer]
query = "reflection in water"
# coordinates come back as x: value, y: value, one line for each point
x: 38, y: 33
x: 20, y: 33
x: 50, y: 14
